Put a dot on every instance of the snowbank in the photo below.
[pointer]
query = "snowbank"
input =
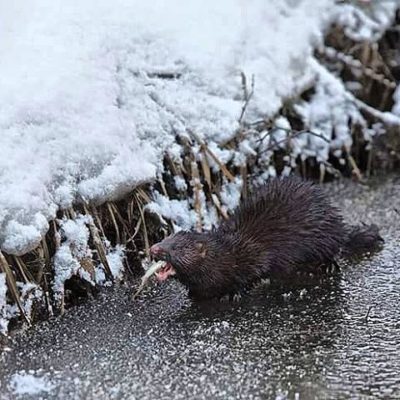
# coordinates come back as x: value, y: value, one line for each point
x: 92, y: 91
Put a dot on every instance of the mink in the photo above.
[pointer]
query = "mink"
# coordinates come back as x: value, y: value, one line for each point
x: 286, y: 227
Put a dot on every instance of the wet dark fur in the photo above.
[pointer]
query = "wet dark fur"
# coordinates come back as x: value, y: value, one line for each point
x: 287, y: 226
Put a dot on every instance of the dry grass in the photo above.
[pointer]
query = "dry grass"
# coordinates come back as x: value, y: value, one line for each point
x: 128, y: 223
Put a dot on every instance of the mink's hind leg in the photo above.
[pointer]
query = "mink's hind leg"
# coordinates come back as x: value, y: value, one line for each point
x: 310, y: 274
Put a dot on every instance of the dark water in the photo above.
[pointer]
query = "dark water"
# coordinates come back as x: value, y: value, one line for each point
x: 339, y: 339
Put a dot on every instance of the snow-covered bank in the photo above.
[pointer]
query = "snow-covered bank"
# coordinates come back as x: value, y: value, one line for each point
x: 93, y: 93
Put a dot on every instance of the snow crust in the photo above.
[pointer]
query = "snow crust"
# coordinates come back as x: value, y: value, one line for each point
x: 93, y: 92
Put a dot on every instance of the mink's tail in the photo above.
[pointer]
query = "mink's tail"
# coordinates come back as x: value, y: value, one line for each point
x: 362, y: 239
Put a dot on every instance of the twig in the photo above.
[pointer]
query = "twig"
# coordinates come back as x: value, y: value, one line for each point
x: 111, y: 212
x: 26, y: 275
x: 197, y: 189
x: 385, y: 116
x: 295, y: 134
x: 163, y: 188
x: 223, y: 168
x: 137, y: 227
x: 101, y: 251
x: 217, y: 203
x: 332, y: 53
x: 12, y: 286
x: 146, y: 238
x: 247, y: 96
x: 356, y: 171
x: 243, y: 174
x: 120, y: 218
x: 47, y: 296
x: 206, y: 168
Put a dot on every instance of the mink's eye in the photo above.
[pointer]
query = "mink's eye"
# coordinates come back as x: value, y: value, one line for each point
x: 201, y: 248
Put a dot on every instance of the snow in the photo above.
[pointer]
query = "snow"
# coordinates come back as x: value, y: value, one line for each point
x: 30, y: 293
x: 115, y: 259
x: 329, y: 111
x: 178, y: 211
x: 27, y: 383
x: 366, y: 19
x: 74, y: 249
x: 230, y: 193
x: 74, y: 256
x: 93, y: 92
x: 180, y: 183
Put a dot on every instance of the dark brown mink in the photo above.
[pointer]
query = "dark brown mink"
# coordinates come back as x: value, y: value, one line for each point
x: 286, y: 227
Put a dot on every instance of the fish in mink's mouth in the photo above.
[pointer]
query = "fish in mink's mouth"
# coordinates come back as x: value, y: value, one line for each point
x: 167, y: 270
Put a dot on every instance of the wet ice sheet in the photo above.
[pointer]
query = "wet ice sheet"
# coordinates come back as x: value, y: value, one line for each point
x: 311, y: 344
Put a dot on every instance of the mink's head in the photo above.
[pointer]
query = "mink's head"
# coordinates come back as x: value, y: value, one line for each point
x: 184, y: 254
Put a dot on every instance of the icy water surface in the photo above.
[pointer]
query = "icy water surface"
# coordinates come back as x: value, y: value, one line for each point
x: 312, y: 344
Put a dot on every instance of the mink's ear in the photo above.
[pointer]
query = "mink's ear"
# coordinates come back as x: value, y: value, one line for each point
x: 201, y: 248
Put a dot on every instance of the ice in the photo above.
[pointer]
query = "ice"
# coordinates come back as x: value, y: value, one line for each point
x: 93, y: 94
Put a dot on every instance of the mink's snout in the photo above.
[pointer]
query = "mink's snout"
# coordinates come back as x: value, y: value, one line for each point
x: 159, y: 252
x: 156, y: 249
